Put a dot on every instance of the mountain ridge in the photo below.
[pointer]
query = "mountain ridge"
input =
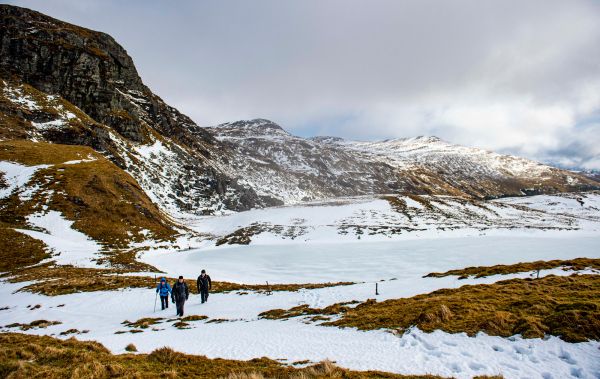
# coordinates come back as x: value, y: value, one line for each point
x: 64, y: 84
x: 295, y: 169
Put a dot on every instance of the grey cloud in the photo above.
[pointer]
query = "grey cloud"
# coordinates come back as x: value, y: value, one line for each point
x: 513, y: 76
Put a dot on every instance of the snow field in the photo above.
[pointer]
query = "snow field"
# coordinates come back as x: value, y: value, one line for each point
x: 396, y: 264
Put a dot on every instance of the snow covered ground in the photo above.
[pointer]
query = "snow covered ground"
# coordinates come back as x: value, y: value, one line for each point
x: 376, y: 219
x: 245, y: 336
x: 565, y: 229
x: 68, y: 246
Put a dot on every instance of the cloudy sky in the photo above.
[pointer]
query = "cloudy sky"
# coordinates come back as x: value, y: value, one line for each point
x: 520, y: 77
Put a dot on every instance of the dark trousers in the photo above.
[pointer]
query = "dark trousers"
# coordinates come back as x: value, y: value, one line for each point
x: 164, y: 302
x: 179, y: 305
x: 204, y: 295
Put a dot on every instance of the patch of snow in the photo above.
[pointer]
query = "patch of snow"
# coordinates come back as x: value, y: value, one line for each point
x: 69, y: 246
x: 16, y: 176
x: 58, y: 123
x: 87, y: 160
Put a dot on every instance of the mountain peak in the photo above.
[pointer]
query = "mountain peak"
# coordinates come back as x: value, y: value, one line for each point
x: 249, y: 128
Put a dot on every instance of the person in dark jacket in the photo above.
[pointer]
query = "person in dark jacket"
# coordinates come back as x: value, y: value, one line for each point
x: 163, y: 289
x: 180, y: 294
x: 204, y: 284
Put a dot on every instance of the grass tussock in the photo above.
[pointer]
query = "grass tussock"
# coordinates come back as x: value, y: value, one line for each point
x: 28, y: 356
x: 37, y: 324
x: 143, y: 323
x: 568, y: 307
x: 73, y: 331
x: 182, y: 325
x: 131, y: 348
x: 192, y: 318
x: 483, y: 271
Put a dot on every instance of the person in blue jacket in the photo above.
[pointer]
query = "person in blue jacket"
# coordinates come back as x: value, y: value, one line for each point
x: 164, y: 289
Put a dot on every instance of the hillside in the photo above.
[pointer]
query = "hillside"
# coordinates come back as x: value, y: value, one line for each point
x: 294, y: 169
x: 79, y: 199
x: 49, y: 67
x: 65, y: 84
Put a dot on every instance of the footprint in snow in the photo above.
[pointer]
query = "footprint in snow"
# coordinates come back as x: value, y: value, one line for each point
x: 576, y: 372
x: 455, y: 367
x: 522, y: 350
x: 566, y: 356
x: 497, y: 348
x: 476, y: 366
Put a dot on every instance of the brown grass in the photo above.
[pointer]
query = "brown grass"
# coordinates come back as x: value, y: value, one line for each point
x: 568, y: 307
x: 18, y: 249
x: 104, y: 201
x: 53, y: 280
x: 143, y: 323
x: 37, y: 324
x: 27, y: 356
x: 131, y: 348
x: 483, y: 271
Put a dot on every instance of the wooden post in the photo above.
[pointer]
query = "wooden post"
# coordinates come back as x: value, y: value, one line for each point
x: 376, y: 288
x: 268, y: 289
x: 538, y: 273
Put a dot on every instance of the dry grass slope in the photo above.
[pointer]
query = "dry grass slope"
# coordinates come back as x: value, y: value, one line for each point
x: 483, y: 271
x: 568, y: 307
x: 27, y: 356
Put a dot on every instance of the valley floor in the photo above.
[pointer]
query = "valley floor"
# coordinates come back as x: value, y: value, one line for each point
x: 230, y: 326
x: 233, y: 329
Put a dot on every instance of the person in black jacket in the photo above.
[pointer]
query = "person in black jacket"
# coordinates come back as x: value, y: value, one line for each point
x: 180, y: 294
x: 204, y: 284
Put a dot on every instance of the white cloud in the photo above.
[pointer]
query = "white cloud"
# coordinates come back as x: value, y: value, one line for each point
x: 514, y: 76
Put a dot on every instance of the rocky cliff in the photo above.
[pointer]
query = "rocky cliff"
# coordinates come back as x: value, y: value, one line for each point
x: 45, y: 63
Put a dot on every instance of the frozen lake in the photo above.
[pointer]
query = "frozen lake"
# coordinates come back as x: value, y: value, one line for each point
x: 369, y: 261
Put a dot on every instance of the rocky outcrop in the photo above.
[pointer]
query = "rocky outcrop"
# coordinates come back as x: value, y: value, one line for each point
x: 90, y: 73
x: 90, y: 70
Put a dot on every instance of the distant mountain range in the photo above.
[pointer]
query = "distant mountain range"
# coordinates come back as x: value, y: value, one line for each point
x: 67, y: 85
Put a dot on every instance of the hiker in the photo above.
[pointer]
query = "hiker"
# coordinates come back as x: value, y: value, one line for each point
x: 163, y: 289
x: 204, y: 284
x: 180, y: 294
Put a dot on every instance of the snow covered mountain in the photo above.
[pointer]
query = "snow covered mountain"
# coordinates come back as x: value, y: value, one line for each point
x: 293, y: 169
x: 64, y: 84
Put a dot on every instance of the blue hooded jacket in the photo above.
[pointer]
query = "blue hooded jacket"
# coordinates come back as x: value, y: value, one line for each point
x: 163, y: 287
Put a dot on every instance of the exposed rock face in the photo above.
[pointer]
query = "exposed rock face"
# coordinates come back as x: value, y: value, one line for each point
x: 295, y: 169
x: 52, y: 63
x: 90, y: 70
